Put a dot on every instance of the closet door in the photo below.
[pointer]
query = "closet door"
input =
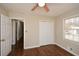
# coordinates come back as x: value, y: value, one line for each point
x: 45, y: 32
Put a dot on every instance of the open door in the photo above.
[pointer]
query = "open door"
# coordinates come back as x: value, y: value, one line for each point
x: 6, y: 35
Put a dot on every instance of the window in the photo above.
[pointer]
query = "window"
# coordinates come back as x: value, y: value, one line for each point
x: 71, y: 29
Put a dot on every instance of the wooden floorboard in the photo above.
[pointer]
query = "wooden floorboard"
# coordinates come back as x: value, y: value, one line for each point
x: 48, y: 50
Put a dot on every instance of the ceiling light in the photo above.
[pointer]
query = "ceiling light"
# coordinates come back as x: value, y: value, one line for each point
x: 41, y: 4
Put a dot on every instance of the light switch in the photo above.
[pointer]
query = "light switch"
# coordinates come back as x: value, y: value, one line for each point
x: 25, y: 30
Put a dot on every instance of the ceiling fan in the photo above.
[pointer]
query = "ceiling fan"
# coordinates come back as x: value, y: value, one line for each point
x: 44, y: 5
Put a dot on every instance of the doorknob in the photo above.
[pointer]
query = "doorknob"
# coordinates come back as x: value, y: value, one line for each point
x: 2, y: 40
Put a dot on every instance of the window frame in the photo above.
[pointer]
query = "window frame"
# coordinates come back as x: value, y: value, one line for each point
x: 64, y: 27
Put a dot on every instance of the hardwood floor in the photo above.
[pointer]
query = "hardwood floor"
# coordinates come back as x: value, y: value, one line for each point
x: 48, y: 50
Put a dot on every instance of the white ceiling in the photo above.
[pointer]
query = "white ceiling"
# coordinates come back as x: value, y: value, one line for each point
x: 56, y: 9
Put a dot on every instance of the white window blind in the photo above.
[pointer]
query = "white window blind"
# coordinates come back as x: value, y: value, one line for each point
x: 71, y: 29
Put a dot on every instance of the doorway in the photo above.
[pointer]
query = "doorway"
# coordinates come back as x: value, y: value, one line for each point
x: 18, y: 36
x: 45, y: 32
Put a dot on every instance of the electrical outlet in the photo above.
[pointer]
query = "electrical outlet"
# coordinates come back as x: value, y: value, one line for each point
x: 70, y: 48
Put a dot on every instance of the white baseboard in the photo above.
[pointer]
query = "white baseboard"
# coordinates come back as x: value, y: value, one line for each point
x: 66, y: 49
x: 34, y: 46
x: 57, y: 45
x: 31, y: 47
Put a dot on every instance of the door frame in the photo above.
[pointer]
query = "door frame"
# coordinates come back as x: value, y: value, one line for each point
x: 16, y: 30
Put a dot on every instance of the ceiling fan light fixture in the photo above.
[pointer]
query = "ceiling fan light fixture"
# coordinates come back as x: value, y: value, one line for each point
x: 41, y: 4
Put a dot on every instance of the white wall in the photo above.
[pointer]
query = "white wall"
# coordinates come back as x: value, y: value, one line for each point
x: 3, y: 11
x: 67, y: 44
x: 31, y: 27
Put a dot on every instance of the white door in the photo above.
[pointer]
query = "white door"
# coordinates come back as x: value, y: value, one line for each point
x: 5, y: 35
x: 45, y: 33
x: 9, y: 35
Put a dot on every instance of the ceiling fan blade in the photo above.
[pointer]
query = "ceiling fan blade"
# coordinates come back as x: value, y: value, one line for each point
x: 46, y: 8
x: 34, y: 7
